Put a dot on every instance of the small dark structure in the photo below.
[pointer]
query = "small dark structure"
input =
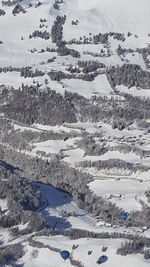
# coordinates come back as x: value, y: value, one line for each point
x: 102, y: 259
x: 104, y: 249
x: 65, y: 254
x: 129, y: 164
x: 124, y: 216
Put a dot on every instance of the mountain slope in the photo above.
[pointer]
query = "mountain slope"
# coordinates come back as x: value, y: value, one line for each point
x: 74, y: 132
x: 105, y: 16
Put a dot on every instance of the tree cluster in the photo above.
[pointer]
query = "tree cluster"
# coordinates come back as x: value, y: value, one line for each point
x: 39, y: 34
x: 128, y: 75
x: 18, y: 9
x: 2, y: 12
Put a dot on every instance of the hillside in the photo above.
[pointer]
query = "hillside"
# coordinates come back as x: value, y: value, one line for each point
x: 74, y: 132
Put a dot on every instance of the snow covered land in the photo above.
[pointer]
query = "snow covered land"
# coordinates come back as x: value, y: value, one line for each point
x: 74, y: 133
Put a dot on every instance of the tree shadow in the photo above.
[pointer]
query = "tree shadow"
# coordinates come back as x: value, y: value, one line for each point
x: 52, y: 199
x: 55, y: 222
x: 53, y: 196
x: 9, y: 167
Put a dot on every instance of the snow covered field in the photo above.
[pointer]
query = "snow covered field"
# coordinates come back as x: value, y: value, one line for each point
x: 125, y: 193
x: 105, y: 16
x: 53, y: 259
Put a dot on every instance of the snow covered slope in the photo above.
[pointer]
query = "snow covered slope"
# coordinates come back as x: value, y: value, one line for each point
x: 75, y: 119
x: 109, y: 15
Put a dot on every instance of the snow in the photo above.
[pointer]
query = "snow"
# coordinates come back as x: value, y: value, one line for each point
x: 22, y: 128
x: 57, y: 128
x: 4, y: 237
x: 55, y: 202
x: 100, y: 86
x: 125, y: 193
x: 36, y: 127
x: 14, y: 79
x: 96, y: 16
x: 136, y: 58
x: 105, y: 16
x: 54, y: 146
x: 53, y: 259
x: 43, y: 257
x: 3, y: 204
x: 25, y: 24
x: 134, y: 91
x: 22, y: 226
x: 106, y: 129
x: 88, y: 127
x: 58, y: 202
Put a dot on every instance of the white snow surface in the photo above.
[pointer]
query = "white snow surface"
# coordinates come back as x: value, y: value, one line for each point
x: 50, y: 258
x: 125, y: 194
x: 106, y: 15
x: 96, y: 16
